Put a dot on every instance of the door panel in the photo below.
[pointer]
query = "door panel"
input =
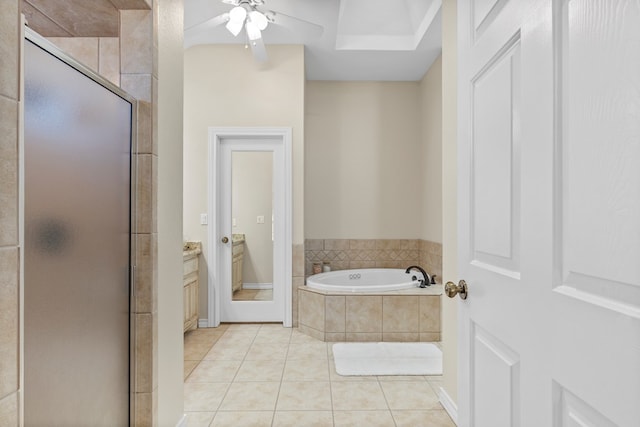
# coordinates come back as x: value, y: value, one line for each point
x: 549, y: 213
x: 77, y: 146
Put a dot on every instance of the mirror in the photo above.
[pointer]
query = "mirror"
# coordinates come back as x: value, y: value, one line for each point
x: 252, y: 225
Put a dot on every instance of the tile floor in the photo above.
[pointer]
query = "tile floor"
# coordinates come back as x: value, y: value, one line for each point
x: 267, y: 375
x: 253, y: 295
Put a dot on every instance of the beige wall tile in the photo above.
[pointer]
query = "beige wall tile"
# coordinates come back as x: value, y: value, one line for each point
x: 400, y: 314
x: 400, y: 336
x: 9, y: 35
x: 363, y: 336
x: 311, y: 310
x: 146, y: 273
x: 137, y: 85
x: 314, y: 244
x: 296, y: 282
x: 145, y: 128
x: 413, y: 244
x: 9, y: 410
x: 136, y: 54
x: 314, y: 333
x: 362, y: 244
x: 109, y: 59
x: 9, y: 267
x: 145, y: 359
x: 364, y: 314
x: 429, y: 336
x: 388, y: 244
x: 8, y: 171
x: 298, y: 260
x: 145, y: 409
x: 391, y: 264
x: 430, y: 313
x: 335, y: 314
x: 336, y: 244
x: 335, y: 337
x: 144, y: 193
x: 82, y: 49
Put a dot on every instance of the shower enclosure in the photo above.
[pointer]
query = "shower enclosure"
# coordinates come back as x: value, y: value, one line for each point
x: 77, y: 243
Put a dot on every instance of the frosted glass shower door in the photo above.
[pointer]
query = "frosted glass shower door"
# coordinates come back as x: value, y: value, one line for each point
x: 77, y: 143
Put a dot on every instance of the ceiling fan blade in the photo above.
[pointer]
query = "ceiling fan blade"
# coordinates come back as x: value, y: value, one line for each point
x: 296, y: 25
x: 233, y: 2
x: 210, y: 23
x: 258, y: 49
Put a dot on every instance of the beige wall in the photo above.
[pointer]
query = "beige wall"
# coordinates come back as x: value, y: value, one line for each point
x: 449, y: 193
x: 252, y: 192
x: 170, y: 309
x: 363, y: 166
x: 224, y: 86
x: 431, y: 133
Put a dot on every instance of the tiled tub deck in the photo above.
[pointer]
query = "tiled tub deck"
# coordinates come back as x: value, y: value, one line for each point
x: 406, y: 315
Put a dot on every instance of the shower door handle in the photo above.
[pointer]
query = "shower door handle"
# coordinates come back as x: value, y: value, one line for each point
x: 225, y: 239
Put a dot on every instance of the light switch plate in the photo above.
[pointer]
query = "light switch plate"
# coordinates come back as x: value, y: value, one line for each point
x: 260, y: 219
x: 203, y: 219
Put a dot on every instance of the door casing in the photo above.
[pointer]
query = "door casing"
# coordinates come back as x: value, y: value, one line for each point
x: 216, y: 136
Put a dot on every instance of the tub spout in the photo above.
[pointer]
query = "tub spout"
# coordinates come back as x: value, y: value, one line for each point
x: 426, y: 280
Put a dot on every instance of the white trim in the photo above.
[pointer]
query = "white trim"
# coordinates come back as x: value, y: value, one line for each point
x: 257, y: 286
x: 448, y: 404
x: 183, y: 421
x: 203, y: 323
x: 216, y: 134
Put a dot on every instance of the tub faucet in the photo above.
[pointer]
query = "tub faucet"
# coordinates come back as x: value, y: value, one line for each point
x: 426, y: 280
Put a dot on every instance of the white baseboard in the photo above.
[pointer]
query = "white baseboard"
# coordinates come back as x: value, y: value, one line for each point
x: 448, y: 404
x: 183, y: 421
x: 257, y: 286
x: 203, y: 323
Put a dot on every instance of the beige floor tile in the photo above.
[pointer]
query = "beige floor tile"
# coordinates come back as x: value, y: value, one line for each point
x: 303, y: 396
x: 306, y: 370
x: 251, y: 396
x: 243, y: 419
x: 317, y: 350
x: 234, y: 351
x: 188, y: 367
x: 303, y: 418
x: 203, y: 396
x: 353, y: 396
x: 260, y: 370
x: 274, y: 334
x: 214, y: 371
x: 415, y: 378
x: 196, y: 350
x: 300, y: 338
x: 410, y: 395
x: 199, y: 419
x: 363, y: 418
x: 243, y: 327
x: 237, y: 338
x: 267, y: 351
x: 434, y: 418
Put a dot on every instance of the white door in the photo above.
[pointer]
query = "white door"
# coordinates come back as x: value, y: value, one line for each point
x: 549, y: 213
x: 252, y: 227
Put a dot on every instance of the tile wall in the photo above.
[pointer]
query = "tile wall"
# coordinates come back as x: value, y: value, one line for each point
x: 344, y: 254
x: 358, y: 318
x: 9, y: 257
x: 130, y: 62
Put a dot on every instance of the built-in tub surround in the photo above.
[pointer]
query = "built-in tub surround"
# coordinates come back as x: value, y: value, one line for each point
x: 364, y: 280
x: 404, y: 315
x: 345, y: 254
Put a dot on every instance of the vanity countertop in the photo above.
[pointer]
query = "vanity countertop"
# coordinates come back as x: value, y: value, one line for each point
x: 191, y: 248
x: 237, y: 238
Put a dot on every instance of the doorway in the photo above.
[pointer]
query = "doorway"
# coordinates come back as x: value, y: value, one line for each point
x: 250, y: 233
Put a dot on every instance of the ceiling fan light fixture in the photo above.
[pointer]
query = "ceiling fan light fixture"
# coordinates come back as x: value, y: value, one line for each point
x: 234, y: 27
x: 238, y: 14
x: 258, y: 19
x: 253, y: 32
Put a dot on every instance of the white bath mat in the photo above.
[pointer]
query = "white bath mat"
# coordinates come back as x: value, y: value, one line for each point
x: 387, y: 358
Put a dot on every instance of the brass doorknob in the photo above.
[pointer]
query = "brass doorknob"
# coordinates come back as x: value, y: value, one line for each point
x: 451, y: 289
x: 225, y: 239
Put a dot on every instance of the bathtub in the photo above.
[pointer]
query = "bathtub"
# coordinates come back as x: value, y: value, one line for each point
x: 363, y: 280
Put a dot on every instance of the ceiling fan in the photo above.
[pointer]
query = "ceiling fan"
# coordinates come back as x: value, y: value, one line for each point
x: 254, y: 18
